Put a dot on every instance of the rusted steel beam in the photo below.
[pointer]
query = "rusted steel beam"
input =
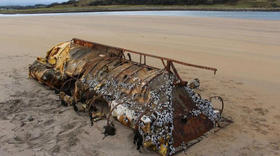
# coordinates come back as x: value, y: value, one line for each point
x: 91, y: 65
x: 163, y: 63
x: 168, y: 64
x: 176, y: 72
x: 175, y: 61
x: 102, y: 64
x: 123, y: 70
x: 134, y: 73
x: 129, y: 56
x: 119, y: 68
x: 145, y: 59
x: 91, y: 44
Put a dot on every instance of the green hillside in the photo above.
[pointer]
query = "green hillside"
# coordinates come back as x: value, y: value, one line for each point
x: 135, y: 5
x: 240, y: 3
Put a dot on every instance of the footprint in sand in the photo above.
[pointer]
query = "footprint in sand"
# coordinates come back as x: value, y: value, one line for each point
x: 261, y: 111
x: 48, y: 122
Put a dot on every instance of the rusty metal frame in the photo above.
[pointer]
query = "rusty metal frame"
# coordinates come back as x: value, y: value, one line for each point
x: 123, y: 70
x: 98, y: 67
x: 92, y: 66
x: 170, y: 62
x: 133, y: 73
x: 111, y: 70
x: 135, y: 81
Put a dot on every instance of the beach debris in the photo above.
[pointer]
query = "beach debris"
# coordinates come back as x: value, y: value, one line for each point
x: 138, y: 139
x: 194, y: 84
x: 104, y: 81
x: 30, y: 118
x: 109, y: 129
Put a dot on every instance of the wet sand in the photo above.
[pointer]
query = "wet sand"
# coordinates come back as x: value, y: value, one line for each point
x: 246, y: 53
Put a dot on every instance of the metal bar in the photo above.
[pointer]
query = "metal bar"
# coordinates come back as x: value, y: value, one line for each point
x: 175, y: 61
x: 176, y: 72
x: 129, y: 56
x: 100, y: 65
x: 110, y: 71
x: 135, y: 72
x: 151, y: 74
x: 92, y: 66
x: 91, y: 44
x: 123, y: 70
x: 163, y: 63
x: 145, y: 59
x: 167, y: 67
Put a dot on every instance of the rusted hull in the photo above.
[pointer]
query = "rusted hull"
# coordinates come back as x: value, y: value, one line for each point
x: 157, y: 103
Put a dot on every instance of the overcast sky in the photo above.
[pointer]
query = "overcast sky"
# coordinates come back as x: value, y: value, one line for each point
x: 28, y: 2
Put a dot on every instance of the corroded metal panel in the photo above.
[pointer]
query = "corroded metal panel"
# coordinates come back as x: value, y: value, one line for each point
x: 163, y: 110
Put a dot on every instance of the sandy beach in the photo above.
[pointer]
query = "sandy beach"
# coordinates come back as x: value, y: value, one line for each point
x: 246, y: 53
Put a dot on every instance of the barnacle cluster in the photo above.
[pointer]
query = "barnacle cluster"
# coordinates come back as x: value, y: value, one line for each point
x: 203, y: 106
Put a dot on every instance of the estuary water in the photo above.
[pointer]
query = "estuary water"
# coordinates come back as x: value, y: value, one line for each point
x: 257, y: 15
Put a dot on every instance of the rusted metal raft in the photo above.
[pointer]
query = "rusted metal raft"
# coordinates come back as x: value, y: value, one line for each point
x: 164, y: 111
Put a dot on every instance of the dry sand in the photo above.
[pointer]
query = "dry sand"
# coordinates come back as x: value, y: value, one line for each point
x: 246, y: 52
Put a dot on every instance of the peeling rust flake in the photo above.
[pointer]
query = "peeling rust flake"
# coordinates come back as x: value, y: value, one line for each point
x: 165, y: 112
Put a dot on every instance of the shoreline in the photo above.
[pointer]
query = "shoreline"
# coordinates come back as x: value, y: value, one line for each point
x: 76, y: 10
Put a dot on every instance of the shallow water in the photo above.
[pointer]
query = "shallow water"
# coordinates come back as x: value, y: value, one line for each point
x: 261, y: 15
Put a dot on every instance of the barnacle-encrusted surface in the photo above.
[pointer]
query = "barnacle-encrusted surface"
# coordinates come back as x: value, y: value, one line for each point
x: 156, y: 115
x: 147, y: 99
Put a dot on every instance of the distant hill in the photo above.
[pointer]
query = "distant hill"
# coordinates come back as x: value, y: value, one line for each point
x: 245, y: 3
x: 133, y: 5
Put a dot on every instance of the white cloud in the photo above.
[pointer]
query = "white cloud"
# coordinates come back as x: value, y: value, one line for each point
x: 28, y: 2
